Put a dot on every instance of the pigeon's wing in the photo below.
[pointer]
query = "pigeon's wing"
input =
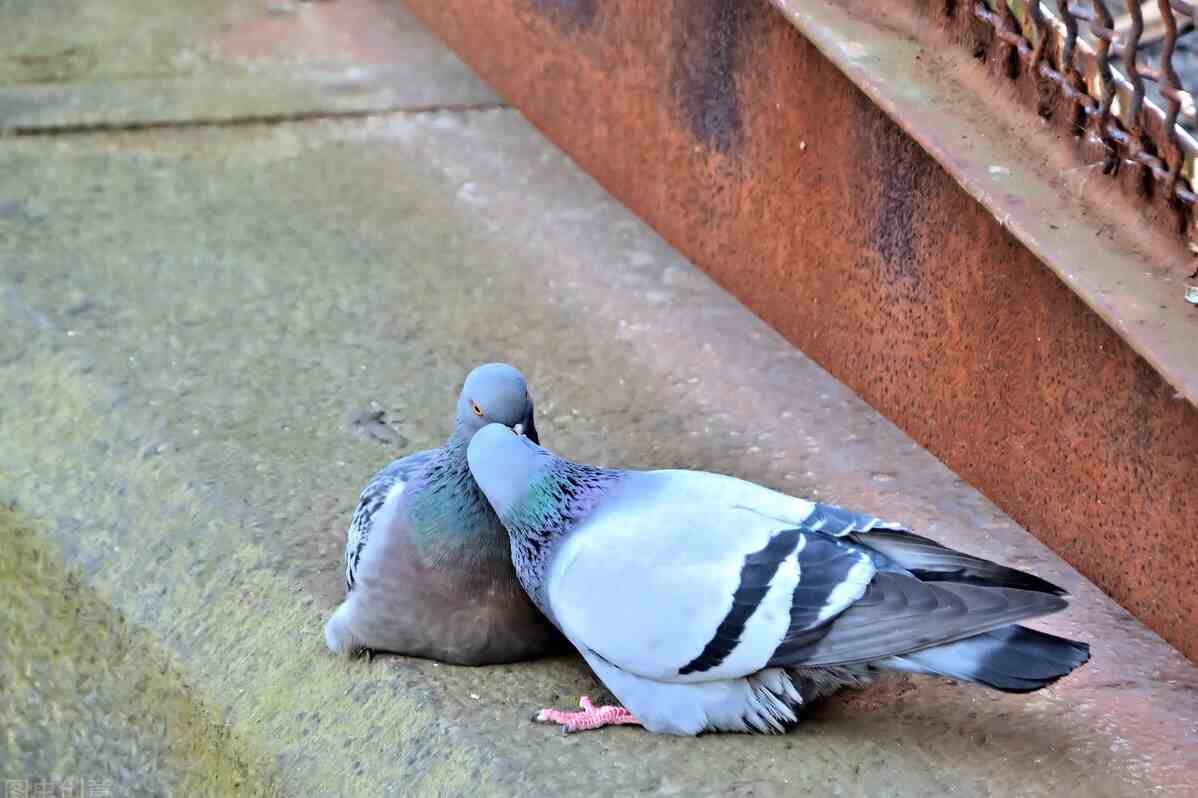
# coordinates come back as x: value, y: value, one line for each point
x: 923, y: 595
x: 895, y: 548
x: 686, y: 576
x: 899, y: 614
x: 930, y: 561
x: 386, y: 485
x: 405, y: 468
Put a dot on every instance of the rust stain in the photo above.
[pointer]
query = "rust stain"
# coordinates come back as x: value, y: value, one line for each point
x: 570, y: 16
x: 892, y: 216
x: 712, y: 41
x: 848, y: 238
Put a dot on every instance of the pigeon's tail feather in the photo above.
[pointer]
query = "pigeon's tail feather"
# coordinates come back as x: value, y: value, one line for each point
x: 1013, y: 659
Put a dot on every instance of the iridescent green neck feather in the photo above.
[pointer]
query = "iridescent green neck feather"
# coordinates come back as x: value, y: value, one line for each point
x: 448, y: 512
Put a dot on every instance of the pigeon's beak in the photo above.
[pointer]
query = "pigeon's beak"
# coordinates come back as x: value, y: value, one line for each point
x: 527, y: 427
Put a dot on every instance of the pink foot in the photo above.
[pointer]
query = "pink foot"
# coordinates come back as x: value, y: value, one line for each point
x: 591, y: 717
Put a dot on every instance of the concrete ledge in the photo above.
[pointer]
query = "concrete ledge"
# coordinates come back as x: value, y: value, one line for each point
x: 751, y: 151
x: 180, y: 364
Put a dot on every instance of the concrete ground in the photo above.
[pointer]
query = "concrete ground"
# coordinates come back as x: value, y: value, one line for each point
x: 246, y: 257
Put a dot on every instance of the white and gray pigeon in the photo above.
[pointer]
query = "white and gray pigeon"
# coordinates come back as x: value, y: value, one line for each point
x: 428, y: 569
x: 707, y: 603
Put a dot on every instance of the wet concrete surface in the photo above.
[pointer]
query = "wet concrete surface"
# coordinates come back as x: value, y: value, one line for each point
x: 213, y: 336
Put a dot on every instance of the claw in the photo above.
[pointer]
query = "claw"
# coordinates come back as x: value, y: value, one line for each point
x: 591, y: 717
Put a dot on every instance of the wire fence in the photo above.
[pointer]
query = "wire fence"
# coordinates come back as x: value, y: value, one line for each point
x: 1124, y: 69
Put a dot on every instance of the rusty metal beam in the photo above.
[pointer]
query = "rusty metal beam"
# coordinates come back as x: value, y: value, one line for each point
x: 909, y: 257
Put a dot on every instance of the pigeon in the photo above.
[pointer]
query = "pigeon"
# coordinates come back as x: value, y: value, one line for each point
x: 428, y: 571
x: 708, y: 603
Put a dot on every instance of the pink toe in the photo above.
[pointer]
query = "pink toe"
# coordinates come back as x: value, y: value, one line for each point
x: 591, y: 717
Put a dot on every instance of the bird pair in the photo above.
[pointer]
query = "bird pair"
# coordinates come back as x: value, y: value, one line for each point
x: 702, y: 601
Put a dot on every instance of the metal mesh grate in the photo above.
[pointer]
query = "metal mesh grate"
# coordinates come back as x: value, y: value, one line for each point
x: 1124, y: 67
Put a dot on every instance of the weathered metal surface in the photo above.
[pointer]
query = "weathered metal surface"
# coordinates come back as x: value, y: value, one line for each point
x: 751, y: 151
x: 1043, y: 188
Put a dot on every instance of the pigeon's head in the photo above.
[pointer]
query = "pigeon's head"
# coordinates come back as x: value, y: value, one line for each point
x: 496, y: 393
x: 504, y: 464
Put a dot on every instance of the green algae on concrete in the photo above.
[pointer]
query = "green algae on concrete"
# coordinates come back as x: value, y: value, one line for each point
x: 212, y: 599
x: 91, y: 700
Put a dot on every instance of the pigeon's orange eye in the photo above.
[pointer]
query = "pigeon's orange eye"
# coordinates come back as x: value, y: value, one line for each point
x: 478, y: 411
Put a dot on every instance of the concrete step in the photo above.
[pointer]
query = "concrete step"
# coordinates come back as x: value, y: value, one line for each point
x: 196, y: 321
x: 73, y: 66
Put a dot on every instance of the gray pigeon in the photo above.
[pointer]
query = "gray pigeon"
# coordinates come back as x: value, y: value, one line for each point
x: 707, y: 603
x: 428, y: 569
